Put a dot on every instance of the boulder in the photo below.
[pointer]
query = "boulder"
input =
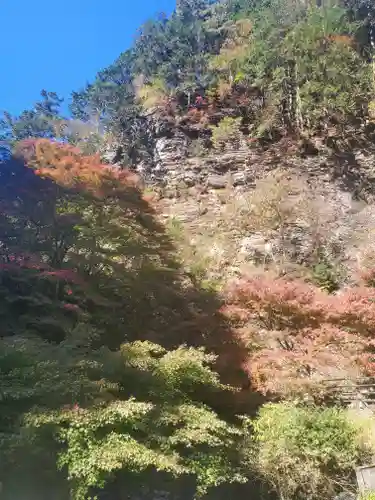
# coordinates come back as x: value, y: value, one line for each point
x: 217, y: 181
x: 258, y: 247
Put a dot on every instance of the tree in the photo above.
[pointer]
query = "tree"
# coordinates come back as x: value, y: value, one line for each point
x: 111, y: 102
x: 265, y: 51
x: 297, y: 336
x: 152, y: 424
x: 234, y: 51
x: 38, y: 122
x: 91, y: 218
x: 82, y: 263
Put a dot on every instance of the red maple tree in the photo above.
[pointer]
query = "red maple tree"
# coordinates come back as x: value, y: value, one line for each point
x: 297, y: 336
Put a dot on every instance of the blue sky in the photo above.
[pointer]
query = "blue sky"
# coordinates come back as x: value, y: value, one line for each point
x: 60, y: 45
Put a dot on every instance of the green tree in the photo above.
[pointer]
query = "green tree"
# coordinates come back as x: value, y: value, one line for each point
x: 38, y: 122
x: 151, y: 422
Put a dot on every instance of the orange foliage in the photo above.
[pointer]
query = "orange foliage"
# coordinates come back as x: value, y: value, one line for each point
x: 297, y: 336
x: 65, y: 208
x: 68, y: 167
x: 342, y: 39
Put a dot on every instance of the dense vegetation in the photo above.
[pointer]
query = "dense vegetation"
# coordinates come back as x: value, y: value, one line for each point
x: 123, y: 375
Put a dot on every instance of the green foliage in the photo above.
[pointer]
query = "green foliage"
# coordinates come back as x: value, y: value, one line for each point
x: 37, y: 122
x: 38, y: 374
x: 306, y: 452
x: 300, y: 67
x: 87, y: 273
x: 85, y: 269
x: 309, y: 69
x: 175, y: 228
x: 326, y: 277
x: 153, y: 424
x: 340, y: 77
x: 234, y: 51
x: 153, y: 94
x: 227, y: 131
x: 368, y: 495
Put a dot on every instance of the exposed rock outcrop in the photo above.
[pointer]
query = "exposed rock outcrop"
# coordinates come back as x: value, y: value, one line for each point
x: 199, y: 191
x: 172, y: 164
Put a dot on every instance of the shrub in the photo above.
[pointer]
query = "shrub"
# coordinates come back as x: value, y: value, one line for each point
x: 175, y: 228
x: 283, y: 209
x: 326, y: 277
x: 197, y: 148
x: 306, y: 452
x: 152, y: 94
x: 227, y: 131
x: 277, y: 200
x: 368, y: 495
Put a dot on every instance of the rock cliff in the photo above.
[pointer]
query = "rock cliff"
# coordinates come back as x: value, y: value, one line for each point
x: 174, y: 162
x: 204, y: 194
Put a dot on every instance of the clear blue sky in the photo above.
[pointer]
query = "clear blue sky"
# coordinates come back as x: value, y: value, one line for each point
x: 60, y: 45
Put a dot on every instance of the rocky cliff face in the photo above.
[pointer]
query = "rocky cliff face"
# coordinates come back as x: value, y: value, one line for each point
x: 173, y: 163
x: 200, y: 192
